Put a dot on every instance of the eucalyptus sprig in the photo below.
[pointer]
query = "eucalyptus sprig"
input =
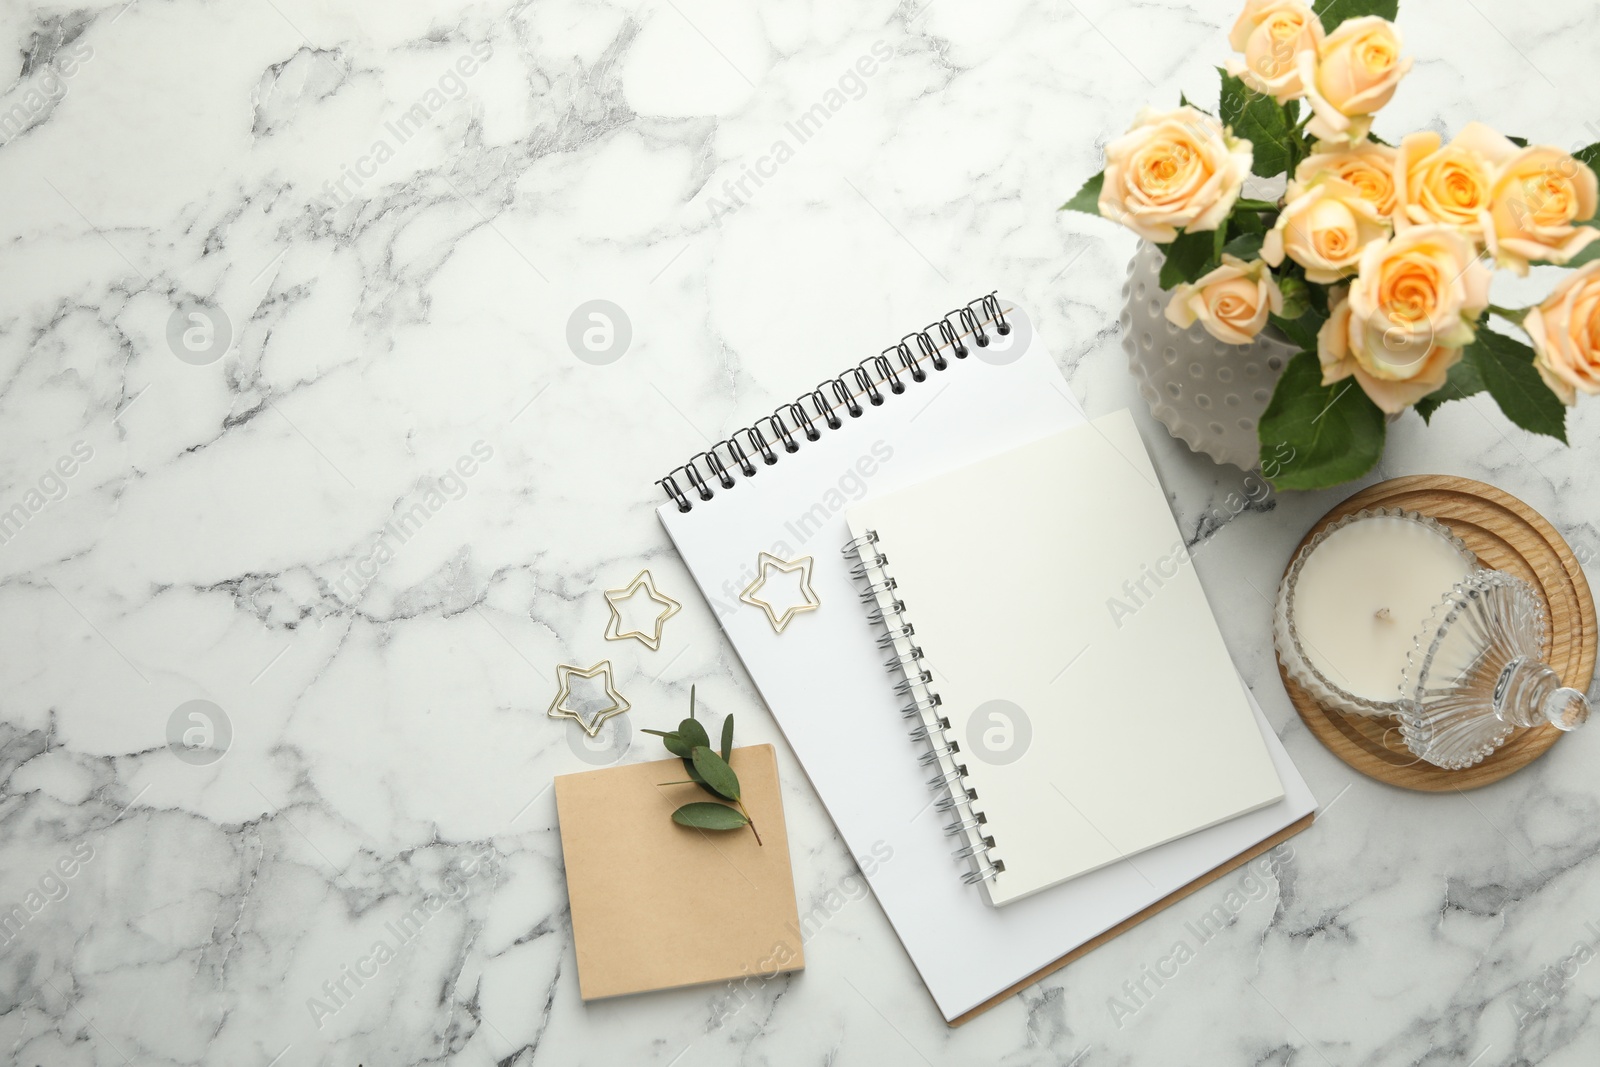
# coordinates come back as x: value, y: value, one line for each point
x: 708, y: 769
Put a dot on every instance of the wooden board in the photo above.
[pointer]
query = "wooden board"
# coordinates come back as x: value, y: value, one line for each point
x: 1509, y: 536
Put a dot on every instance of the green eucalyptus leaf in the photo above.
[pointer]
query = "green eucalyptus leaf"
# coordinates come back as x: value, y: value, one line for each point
x: 727, y: 738
x: 694, y: 776
x: 718, y: 775
x: 1333, y: 12
x: 1087, y: 199
x: 1506, y: 368
x: 704, y: 815
x: 1259, y: 119
x: 1320, y: 435
x: 674, y: 742
x: 694, y: 733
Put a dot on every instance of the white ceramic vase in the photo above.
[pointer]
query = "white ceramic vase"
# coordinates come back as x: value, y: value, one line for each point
x: 1208, y: 394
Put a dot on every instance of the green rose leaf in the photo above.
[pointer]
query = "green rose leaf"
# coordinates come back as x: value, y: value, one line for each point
x: 1506, y: 368
x: 692, y: 732
x: 1322, y: 435
x: 1087, y: 199
x: 1257, y: 118
x: 704, y: 815
x: 1334, y: 12
x: 1302, y: 329
x: 1317, y: 296
x: 1188, y: 258
x: 1247, y: 220
x: 1590, y: 252
x: 1246, y: 247
x: 727, y: 738
x: 716, y: 772
x: 1464, y: 381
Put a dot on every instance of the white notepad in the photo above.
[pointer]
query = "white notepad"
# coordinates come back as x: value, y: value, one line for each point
x: 1061, y: 657
x: 825, y: 677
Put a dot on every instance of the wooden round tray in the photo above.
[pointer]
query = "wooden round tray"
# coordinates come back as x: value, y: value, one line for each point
x: 1509, y: 536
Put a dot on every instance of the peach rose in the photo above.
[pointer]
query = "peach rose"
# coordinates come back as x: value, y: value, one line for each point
x: 1566, y: 334
x: 1401, y: 324
x: 1353, y: 74
x: 1171, y: 170
x: 1367, y: 165
x: 1272, y: 34
x: 1231, y: 302
x: 1447, y: 184
x: 1537, y: 195
x: 1324, y: 225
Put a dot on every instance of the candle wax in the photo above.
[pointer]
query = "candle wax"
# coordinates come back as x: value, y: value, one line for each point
x: 1365, y: 592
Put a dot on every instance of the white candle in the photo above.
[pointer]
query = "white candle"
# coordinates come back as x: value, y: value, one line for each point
x: 1363, y: 595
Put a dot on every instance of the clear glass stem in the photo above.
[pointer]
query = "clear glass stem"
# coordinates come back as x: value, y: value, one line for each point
x: 1529, y: 693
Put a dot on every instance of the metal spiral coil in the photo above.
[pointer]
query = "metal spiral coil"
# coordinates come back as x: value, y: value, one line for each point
x: 902, y: 662
x: 860, y: 570
x: 895, y: 634
x: 931, y: 727
x: 910, y: 682
x: 984, y: 873
x: 877, y: 617
x: 964, y: 825
x: 874, y: 379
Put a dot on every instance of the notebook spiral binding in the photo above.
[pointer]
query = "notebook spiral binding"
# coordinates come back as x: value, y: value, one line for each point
x: 834, y: 399
x: 923, y: 705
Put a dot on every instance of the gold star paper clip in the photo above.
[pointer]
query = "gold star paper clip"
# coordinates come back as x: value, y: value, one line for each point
x: 564, y: 675
x: 614, y: 597
x: 780, y: 619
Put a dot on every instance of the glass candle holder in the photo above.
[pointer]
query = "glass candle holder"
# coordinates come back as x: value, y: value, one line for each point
x: 1352, y: 603
x: 1476, y: 674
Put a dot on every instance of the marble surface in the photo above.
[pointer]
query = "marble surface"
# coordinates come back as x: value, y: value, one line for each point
x: 278, y: 274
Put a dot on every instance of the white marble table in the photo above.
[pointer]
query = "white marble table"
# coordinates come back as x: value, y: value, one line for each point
x: 390, y: 211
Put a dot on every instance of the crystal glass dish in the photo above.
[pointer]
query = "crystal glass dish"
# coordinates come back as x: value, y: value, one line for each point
x: 1477, y: 674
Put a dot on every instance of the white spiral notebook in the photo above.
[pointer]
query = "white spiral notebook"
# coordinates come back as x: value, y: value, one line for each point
x: 973, y: 385
x: 1059, y: 653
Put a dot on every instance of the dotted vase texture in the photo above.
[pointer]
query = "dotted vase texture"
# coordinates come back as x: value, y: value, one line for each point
x: 1208, y: 394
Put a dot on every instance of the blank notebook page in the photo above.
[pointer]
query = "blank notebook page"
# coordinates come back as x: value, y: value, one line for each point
x: 1053, y: 579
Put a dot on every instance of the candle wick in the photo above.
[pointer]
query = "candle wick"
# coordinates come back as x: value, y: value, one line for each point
x: 1382, y: 613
